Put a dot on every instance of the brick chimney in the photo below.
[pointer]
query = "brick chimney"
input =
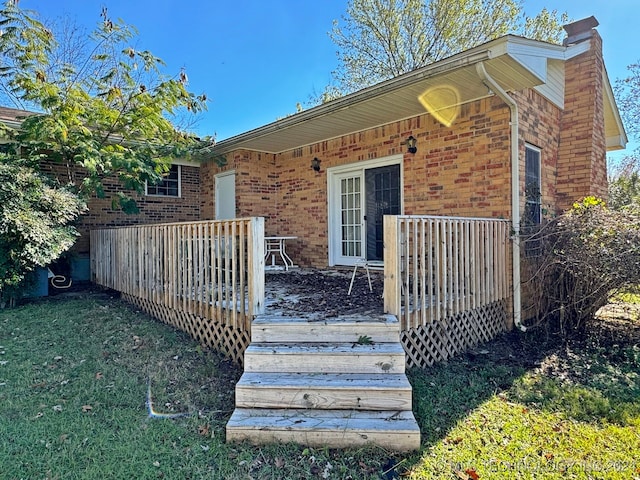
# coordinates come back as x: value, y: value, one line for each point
x: 582, y: 168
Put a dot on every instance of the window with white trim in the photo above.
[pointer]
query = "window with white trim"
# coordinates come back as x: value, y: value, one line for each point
x: 532, y: 187
x: 532, y: 215
x: 169, y: 186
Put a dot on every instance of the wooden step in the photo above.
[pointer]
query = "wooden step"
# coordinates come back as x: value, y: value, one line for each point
x: 324, y: 391
x: 324, y: 358
x: 378, y: 329
x: 392, y: 430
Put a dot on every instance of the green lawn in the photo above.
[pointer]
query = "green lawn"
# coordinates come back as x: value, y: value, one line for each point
x: 75, y: 377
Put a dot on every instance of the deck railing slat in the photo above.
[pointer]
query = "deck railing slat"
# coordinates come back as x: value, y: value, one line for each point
x: 210, y: 269
x: 445, y: 265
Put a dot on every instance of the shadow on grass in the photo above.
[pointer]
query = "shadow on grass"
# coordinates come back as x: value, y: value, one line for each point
x: 594, y: 380
x: 449, y: 391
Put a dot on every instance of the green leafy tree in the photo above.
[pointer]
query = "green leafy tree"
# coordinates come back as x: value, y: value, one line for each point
x: 624, y: 184
x: 104, y: 109
x: 101, y: 110
x: 381, y: 39
x: 624, y: 175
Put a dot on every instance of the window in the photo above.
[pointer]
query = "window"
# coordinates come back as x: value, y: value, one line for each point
x: 532, y: 216
x: 169, y: 186
x: 532, y: 187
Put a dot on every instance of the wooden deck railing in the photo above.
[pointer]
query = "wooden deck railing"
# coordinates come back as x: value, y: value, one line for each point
x: 438, y: 267
x: 211, y: 270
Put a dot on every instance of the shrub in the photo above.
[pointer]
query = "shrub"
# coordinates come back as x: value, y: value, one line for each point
x: 586, y: 255
x: 35, y: 224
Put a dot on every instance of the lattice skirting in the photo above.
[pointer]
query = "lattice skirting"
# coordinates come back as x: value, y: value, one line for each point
x: 227, y: 340
x: 441, y: 340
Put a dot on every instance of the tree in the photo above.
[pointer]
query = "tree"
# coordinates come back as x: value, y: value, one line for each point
x: 381, y: 39
x: 624, y: 183
x: 624, y: 176
x: 102, y: 109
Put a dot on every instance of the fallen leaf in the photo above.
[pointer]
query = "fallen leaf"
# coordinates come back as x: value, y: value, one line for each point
x: 472, y: 473
x: 203, y: 430
x: 99, y: 375
x: 137, y: 342
x: 549, y: 456
x: 462, y: 475
x: 86, y: 408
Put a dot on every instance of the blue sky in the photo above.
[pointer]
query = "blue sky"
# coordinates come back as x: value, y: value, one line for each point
x: 256, y: 59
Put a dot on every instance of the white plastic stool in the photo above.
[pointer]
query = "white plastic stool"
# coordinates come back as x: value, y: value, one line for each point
x: 376, y: 265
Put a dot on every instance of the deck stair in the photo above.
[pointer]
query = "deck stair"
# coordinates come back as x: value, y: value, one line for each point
x: 338, y: 383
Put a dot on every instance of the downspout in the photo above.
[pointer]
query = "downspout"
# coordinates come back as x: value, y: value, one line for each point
x: 515, y: 190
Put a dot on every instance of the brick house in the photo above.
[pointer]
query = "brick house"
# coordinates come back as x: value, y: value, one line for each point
x: 507, y: 129
x: 547, y: 109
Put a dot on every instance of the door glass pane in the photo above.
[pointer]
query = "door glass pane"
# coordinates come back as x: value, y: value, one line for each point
x: 383, y: 198
x: 351, y: 245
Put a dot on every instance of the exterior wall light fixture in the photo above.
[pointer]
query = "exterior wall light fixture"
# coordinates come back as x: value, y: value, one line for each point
x: 411, y: 144
x: 315, y: 164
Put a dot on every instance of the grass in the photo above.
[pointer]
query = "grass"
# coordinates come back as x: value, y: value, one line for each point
x: 75, y: 375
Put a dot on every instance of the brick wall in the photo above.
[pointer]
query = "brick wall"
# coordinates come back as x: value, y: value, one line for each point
x: 462, y: 170
x: 152, y: 209
x: 582, y: 157
x: 539, y: 122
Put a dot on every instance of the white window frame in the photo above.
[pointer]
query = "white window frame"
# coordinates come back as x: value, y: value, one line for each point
x: 538, y: 151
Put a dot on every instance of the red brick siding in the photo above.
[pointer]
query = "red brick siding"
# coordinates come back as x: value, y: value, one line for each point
x: 539, y: 125
x: 462, y: 170
x: 152, y: 209
x: 582, y: 158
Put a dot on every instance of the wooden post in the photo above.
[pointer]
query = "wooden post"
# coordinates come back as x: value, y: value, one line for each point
x: 392, y: 276
x: 255, y: 264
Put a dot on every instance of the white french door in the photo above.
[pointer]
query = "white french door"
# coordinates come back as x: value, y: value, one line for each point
x: 358, y: 197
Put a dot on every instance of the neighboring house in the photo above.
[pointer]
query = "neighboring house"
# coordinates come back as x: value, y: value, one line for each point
x: 547, y: 109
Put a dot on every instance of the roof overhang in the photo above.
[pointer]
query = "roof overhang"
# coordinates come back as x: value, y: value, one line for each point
x: 613, y: 127
x: 515, y: 63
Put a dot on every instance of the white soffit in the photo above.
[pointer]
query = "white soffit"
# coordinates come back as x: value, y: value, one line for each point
x: 514, y: 63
